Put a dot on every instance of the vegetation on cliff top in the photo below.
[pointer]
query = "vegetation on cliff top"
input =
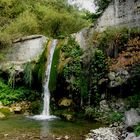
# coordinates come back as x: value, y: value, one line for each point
x: 52, y: 18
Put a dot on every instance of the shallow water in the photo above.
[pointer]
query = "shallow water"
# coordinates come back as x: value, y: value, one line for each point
x: 22, y: 128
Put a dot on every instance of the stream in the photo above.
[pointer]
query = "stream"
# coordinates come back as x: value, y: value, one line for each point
x: 21, y: 128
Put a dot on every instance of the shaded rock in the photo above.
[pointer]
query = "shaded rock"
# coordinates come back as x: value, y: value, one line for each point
x: 2, y: 115
x: 17, y: 110
x: 131, y: 118
x: 104, y: 106
x: 68, y: 117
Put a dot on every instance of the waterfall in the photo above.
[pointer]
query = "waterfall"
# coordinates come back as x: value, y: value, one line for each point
x: 46, y: 107
x: 45, y: 115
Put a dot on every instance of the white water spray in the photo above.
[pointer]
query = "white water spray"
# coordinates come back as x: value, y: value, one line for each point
x: 45, y: 115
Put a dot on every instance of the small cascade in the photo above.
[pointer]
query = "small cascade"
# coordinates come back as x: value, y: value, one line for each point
x: 45, y: 115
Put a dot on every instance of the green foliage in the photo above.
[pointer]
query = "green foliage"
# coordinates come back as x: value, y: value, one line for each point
x: 102, y: 4
x: 133, y: 101
x: 91, y: 17
x: 39, y: 69
x: 23, y: 17
x: 82, y: 73
x: 137, y: 129
x: 115, y: 117
x: 113, y: 40
x: 91, y: 113
x: 72, y: 70
x: 135, y: 78
x: 9, y: 95
x: 28, y: 76
x: 94, y: 70
x: 5, y: 111
x: 11, y: 79
x: 35, y: 107
x: 54, y: 71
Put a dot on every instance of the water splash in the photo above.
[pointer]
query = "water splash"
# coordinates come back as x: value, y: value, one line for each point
x: 45, y: 115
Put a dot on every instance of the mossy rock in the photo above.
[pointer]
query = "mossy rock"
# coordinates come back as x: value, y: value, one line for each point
x: 5, y: 111
x: 2, y: 116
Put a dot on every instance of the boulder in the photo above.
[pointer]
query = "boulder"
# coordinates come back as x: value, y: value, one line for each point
x: 131, y: 118
x: 104, y: 106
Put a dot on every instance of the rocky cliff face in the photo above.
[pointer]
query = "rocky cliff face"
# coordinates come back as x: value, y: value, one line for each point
x: 120, y: 13
x: 24, y: 50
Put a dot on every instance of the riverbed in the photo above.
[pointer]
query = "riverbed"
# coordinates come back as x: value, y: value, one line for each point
x: 22, y: 128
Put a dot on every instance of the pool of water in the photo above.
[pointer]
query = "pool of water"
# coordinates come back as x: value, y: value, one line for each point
x: 22, y: 128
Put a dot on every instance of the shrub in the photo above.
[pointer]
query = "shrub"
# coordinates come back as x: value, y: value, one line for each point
x: 115, y: 117
x: 91, y: 113
x: 137, y: 129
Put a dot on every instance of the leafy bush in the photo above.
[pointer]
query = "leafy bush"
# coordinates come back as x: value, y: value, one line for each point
x: 91, y: 113
x: 115, y: 117
x: 35, y: 107
x: 9, y: 95
x: 133, y: 101
x: 52, y: 18
x: 137, y: 129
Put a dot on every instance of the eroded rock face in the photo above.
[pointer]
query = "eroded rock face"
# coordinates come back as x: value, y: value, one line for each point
x: 131, y: 118
x: 120, y: 13
x: 24, y: 50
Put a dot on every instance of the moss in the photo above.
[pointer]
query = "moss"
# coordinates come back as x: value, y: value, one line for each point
x: 54, y: 70
x: 5, y: 111
x: 39, y: 70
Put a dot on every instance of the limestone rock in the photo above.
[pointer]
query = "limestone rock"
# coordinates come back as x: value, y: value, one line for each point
x: 131, y: 118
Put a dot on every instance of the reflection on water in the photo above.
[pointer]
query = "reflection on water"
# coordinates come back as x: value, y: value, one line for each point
x: 22, y: 128
x: 45, y: 130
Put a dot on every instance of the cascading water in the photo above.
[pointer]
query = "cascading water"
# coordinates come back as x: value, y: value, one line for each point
x: 45, y: 115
